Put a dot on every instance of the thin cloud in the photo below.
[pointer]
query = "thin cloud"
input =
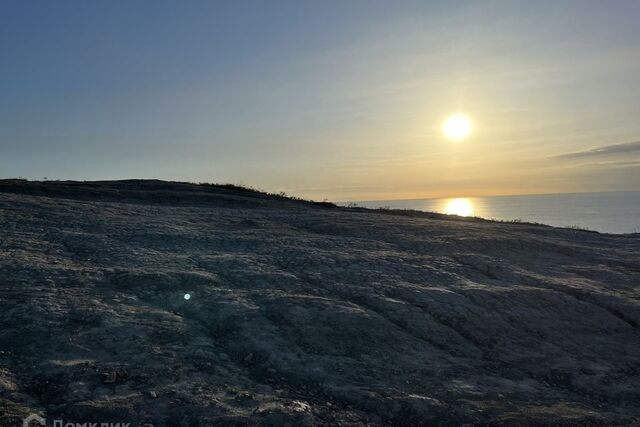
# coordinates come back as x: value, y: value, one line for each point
x: 626, y: 148
x: 609, y: 165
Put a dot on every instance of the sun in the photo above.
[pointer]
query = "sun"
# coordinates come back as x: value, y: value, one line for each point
x: 457, y: 127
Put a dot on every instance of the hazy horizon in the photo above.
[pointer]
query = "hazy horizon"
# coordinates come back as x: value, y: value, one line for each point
x: 495, y: 195
x: 335, y: 100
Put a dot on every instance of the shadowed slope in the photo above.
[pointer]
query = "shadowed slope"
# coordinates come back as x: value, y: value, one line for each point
x: 304, y: 314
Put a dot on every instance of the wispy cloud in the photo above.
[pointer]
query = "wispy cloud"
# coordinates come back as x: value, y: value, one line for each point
x: 609, y: 165
x: 626, y: 148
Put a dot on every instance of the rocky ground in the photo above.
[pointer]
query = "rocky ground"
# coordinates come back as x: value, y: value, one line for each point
x: 304, y: 313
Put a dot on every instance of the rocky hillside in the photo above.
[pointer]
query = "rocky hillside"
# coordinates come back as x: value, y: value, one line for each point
x: 305, y: 313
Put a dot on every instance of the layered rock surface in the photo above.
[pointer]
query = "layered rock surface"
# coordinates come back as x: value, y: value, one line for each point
x: 305, y: 313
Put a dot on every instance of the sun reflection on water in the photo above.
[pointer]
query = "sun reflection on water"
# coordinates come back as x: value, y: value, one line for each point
x: 459, y: 206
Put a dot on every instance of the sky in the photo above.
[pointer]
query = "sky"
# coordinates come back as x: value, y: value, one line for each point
x: 338, y: 100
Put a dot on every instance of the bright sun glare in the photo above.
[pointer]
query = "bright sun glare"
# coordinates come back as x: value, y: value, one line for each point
x: 461, y: 206
x: 457, y: 127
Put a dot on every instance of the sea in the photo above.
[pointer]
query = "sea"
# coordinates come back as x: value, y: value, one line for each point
x: 606, y: 212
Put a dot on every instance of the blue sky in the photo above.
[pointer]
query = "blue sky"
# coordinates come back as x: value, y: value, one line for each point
x: 341, y: 100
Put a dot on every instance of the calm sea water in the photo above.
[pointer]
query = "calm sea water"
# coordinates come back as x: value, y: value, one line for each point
x: 610, y: 212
